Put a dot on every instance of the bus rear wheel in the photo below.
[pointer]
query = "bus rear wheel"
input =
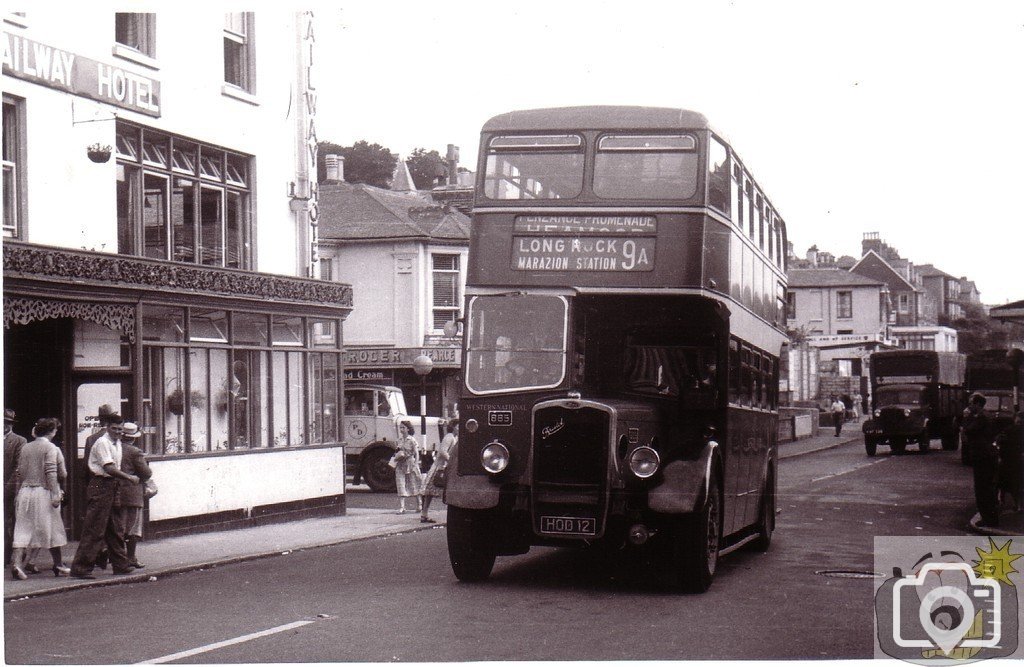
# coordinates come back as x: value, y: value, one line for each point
x: 471, y: 547
x: 766, y: 517
x: 695, y: 541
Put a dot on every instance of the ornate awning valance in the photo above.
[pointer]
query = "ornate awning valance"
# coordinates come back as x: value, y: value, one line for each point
x: 118, y: 317
x: 82, y: 267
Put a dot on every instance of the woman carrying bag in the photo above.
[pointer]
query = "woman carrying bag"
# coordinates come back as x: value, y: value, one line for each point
x: 408, y: 477
x: 436, y: 480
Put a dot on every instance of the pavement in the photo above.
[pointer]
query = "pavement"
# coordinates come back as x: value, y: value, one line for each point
x: 174, y: 555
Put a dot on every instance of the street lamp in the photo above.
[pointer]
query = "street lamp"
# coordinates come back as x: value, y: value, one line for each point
x: 423, y: 365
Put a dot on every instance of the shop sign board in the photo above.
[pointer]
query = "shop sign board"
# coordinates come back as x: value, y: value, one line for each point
x: 39, y: 63
x: 401, y: 357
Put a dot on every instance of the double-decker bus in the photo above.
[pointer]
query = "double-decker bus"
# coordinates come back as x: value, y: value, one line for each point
x: 623, y: 324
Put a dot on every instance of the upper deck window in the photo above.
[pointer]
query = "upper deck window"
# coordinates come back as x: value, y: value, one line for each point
x: 534, y: 167
x: 646, y: 167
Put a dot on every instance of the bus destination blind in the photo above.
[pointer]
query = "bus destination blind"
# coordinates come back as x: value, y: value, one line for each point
x: 583, y: 253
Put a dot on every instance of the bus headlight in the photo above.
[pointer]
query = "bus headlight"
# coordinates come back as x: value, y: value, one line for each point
x: 494, y: 457
x: 472, y: 425
x: 644, y: 462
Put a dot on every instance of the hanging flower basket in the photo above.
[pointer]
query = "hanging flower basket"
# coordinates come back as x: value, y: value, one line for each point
x: 98, y: 152
x: 176, y: 401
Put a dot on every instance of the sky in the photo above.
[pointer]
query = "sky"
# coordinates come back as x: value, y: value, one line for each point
x: 903, y: 118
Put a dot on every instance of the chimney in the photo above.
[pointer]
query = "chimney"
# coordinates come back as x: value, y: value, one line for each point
x: 453, y: 164
x: 812, y: 255
x: 335, y: 168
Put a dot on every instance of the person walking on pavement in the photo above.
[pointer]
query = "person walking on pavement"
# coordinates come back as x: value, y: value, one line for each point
x: 985, y: 459
x: 38, y: 523
x: 838, y: 414
x: 104, y: 518
x: 12, y: 450
x: 1010, y: 442
x: 857, y: 400
x: 408, y: 477
x: 441, y: 458
x: 133, y: 462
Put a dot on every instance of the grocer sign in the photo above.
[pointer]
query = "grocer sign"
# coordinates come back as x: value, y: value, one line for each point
x: 401, y: 357
x: 33, y: 61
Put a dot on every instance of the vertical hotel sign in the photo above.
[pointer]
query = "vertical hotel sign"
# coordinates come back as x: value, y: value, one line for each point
x: 32, y: 61
x: 309, y: 102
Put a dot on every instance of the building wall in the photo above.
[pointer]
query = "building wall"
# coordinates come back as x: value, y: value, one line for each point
x: 816, y: 310
x: 189, y: 68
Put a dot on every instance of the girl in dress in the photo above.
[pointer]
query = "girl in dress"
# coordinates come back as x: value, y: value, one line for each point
x: 37, y: 521
x: 408, y: 477
x: 441, y: 458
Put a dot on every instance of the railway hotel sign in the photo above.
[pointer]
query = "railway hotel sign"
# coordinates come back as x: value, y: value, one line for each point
x: 56, y: 68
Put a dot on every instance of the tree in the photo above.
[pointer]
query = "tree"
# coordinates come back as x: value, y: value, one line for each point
x: 367, y: 163
x: 426, y: 167
x: 977, y: 331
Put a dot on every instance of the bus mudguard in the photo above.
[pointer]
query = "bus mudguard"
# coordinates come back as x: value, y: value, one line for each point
x: 683, y: 483
x: 475, y: 492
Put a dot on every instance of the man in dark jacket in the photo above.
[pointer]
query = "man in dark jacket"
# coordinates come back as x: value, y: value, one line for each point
x: 12, y: 450
x: 133, y: 462
x: 978, y: 437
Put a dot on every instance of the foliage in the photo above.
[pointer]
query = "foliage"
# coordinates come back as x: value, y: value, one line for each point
x: 977, y: 331
x: 368, y: 163
x: 426, y: 167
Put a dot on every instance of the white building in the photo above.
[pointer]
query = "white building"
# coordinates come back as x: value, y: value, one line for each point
x: 163, y: 275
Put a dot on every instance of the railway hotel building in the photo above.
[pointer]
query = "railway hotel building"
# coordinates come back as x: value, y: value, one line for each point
x: 160, y: 209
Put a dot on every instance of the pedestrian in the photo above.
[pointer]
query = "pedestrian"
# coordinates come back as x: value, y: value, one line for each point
x: 12, y: 450
x: 838, y: 414
x: 104, y: 517
x: 133, y: 462
x: 441, y: 458
x: 985, y: 459
x: 1010, y: 442
x: 857, y: 400
x: 864, y: 405
x: 408, y: 477
x: 38, y: 523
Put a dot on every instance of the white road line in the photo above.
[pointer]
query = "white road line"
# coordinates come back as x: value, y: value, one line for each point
x: 222, y: 644
x: 843, y: 472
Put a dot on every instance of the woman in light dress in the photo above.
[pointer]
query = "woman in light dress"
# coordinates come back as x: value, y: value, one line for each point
x: 441, y: 458
x: 408, y: 477
x: 37, y: 523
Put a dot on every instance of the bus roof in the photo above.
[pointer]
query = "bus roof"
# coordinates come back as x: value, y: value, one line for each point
x: 597, y: 118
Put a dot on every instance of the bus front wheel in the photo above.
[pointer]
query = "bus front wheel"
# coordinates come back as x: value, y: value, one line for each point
x: 695, y: 542
x: 471, y: 547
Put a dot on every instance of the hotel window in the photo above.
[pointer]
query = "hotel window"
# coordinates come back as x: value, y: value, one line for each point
x: 182, y: 201
x: 136, y: 30
x: 238, y: 51
x: 445, y: 299
x: 844, y: 305
x: 14, y: 167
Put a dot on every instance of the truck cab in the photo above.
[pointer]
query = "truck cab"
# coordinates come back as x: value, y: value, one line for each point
x: 370, y: 422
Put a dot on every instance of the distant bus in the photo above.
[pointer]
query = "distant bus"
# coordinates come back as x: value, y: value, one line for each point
x: 623, y: 324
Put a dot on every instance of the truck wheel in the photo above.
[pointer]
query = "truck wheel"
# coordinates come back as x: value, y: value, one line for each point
x: 766, y: 517
x: 379, y: 476
x: 695, y: 541
x: 870, y: 446
x: 471, y: 547
x: 924, y: 443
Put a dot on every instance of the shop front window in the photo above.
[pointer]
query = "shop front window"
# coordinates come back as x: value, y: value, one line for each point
x: 228, y: 388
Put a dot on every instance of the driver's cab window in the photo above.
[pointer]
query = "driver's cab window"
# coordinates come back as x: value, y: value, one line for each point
x: 383, y: 407
x: 359, y: 402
